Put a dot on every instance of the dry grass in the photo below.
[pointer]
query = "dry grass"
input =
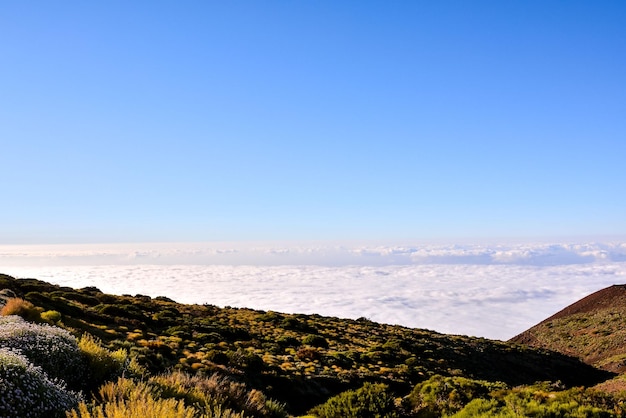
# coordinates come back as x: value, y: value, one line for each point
x: 216, y: 392
x: 127, y: 398
x: 23, y: 308
x: 136, y: 408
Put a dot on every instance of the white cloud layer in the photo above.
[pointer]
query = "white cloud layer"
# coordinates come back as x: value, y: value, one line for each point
x: 493, y: 291
x: 326, y: 254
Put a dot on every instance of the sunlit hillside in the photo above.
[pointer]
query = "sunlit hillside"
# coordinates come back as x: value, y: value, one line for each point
x: 291, y: 364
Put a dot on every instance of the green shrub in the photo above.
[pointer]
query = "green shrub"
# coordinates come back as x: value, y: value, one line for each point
x: 181, y: 331
x: 123, y: 311
x: 392, y: 345
x: 270, y: 316
x: 536, y: 401
x: 315, y: 341
x: 542, y: 401
x: 339, y: 359
x: 51, y: 317
x: 54, y: 302
x: 27, y: 392
x: 441, y: 395
x: 103, y: 364
x: 85, y: 299
x: 288, y: 341
x: 245, y: 360
x: 483, y: 408
x: 291, y: 323
x: 217, y: 357
x: 517, y: 407
x: 53, y: 349
x: 370, y: 401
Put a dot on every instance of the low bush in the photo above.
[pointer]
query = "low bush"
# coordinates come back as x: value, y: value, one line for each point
x: 53, y: 349
x: 245, y: 360
x: 270, y: 316
x: 51, y: 317
x: 535, y: 401
x: 288, y: 341
x: 27, y: 392
x: 308, y: 353
x: 82, y: 298
x: 370, y: 401
x: 103, y: 364
x: 315, y: 341
x: 441, y: 395
x: 124, y: 311
x: 217, y: 357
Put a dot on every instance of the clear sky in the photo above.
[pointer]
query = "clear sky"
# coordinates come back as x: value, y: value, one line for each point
x: 298, y: 120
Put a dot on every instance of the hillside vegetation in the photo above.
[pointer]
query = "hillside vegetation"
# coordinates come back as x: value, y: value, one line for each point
x: 203, y: 360
x: 591, y: 329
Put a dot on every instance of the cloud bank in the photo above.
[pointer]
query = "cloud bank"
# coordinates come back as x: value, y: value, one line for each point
x: 326, y: 254
x: 493, y: 291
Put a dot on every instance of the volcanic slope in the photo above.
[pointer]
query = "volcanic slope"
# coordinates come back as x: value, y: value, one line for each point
x: 300, y: 360
x: 592, y: 329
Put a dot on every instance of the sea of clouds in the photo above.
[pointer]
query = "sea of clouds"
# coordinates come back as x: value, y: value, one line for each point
x: 493, y: 290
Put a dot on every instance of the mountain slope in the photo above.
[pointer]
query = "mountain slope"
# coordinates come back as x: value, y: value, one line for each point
x: 300, y: 360
x: 592, y: 329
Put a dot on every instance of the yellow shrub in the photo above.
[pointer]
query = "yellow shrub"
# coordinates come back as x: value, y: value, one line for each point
x: 51, y: 317
x: 136, y: 408
x: 126, y: 398
x: 104, y: 364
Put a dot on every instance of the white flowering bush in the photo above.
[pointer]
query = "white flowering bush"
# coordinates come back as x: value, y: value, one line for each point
x: 27, y: 392
x: 53, y: 349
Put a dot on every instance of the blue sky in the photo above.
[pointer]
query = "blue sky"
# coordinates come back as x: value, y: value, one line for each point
x: 325, y: 120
